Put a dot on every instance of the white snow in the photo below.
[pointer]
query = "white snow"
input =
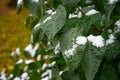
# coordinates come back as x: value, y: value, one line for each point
x: 46, y: 78
x: 20, y: 2
x: 17, y: 51
x: 25, y: 68
x: 37, y: 25
x: 32, y: 50
x: 91, y: 12
x: 10, y: 76
x: 12, y: 54
x: 61, y: 72
x: 52, y: 64
x: 3, y: 76
x: 110, y: 40
x: 29, y: 61
x: 72, y: 15
x: 36, y: 1
x: 112, y: 1
x: 47, y: 19
x: 81, y: 40
x: 49, y: 11
x: 46, y: 57
x: 48, y: 72
x: 19, y: 61
x: 71, y: 51
x: 44, y: 66
x: 24, y: 75
x: 117, y: 28
x: 97, y: 41
x: 16, y: 78
x: 38, y: 57
x: 57, y: 48
x: 53, y: 13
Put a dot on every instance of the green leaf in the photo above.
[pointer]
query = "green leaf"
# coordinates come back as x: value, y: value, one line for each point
x: 53, y: 26
x: 70, y: 4
x: 112, y: 50
x: 55, y: 74
x: 36, y: 8
x: 66, y: 44
x: 91, y: 60
x: 19, y: 5
x: 37, y: 33
x: 34, y: 75
x: 109, y: 72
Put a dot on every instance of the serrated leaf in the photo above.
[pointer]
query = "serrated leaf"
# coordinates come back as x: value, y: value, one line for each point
x: 112, y: 51
x: 92, y: 60
x: 52, y: 26
x: 19, y: 5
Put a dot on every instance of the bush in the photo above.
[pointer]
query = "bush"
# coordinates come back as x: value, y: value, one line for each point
x: 71, y: 40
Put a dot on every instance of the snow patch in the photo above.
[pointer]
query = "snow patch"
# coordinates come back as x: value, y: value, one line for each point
x: 57, y: 48
x: 37, y: 26
x: 117, y: 28
x: 110, y: 40
x: 47, y: 19
x: 44, y: 66
x: 17, y: 51
x: 24, y: 75
x: 52, y: 64
x: 49, y: 73
x: 97, y: 41
x: 3, y: 76
x: 112, y: 1
x: 29, y: 61
x: 19, y: 61
x: 32, y: 50
x: 91, y: 12
x: 38, y: 57
x: 81, y: 40
x: 20, y: 2
x: 36, y: 1
x: 16, y: 78
x: 71, y: 51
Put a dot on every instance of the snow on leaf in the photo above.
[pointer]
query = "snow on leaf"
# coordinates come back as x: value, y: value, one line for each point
x: 81, y: 40
x: 91, y: 12
x: 57, y: 48
x: 29, y: 61
x: 24, y: 75
x: 110, y: 40
x: 19, y: 61
x: 112, y: 1
x: 97, y: 41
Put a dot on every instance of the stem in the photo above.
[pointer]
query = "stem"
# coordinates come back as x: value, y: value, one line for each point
x: 49, y: 6
x: 81, y: 10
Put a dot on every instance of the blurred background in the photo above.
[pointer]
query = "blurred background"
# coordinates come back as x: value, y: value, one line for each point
x: 13, y: 33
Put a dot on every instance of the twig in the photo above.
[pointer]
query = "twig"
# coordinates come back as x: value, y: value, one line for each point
x: 81, y: 10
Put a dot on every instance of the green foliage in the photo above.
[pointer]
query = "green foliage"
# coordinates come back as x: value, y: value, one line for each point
x: 84, y: 47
